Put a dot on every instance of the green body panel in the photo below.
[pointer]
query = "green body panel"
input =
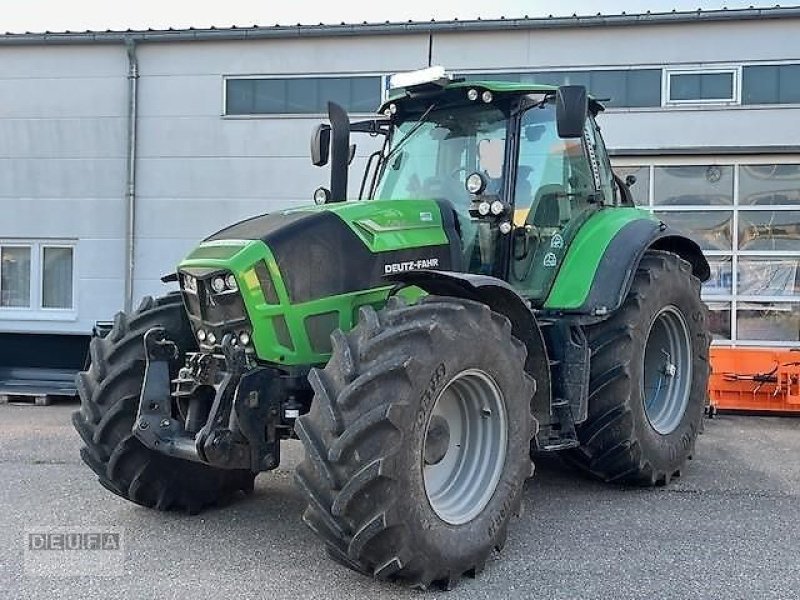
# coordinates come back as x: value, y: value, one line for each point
x: 587, y: 249
x: 385, y: 225
x: 381, y: 225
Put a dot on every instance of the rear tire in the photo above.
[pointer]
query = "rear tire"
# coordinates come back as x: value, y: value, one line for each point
x: 383, y: 441
x: 648, y: 378
x: 109, y: 392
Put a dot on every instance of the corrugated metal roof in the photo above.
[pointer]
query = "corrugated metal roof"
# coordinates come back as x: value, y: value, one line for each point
x: 399, y: 28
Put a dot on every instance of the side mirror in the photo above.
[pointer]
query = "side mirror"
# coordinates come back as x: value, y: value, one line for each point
x: 572, y: 105
x: 630, y: 180
x: 320, y: 145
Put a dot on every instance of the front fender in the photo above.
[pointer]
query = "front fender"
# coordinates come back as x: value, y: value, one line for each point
x: 501, y: 298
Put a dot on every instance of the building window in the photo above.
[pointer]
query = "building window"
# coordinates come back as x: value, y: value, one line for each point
x: 57, y: 280
x: 701, y: 86
x: 36, y: 277
x: 15, y: 276
x: 615, y: 88
x: 746, y: 217
x: 771, y: 84
x: 300, y: 95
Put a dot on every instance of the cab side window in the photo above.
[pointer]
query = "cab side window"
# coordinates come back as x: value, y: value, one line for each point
x: 554, y: 181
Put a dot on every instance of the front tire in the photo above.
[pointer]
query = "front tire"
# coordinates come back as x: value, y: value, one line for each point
x: 109, y: 390
x: 397, y: 486
x: 648, y: 378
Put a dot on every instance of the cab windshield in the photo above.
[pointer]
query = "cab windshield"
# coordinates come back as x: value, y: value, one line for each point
x: 431, y: 157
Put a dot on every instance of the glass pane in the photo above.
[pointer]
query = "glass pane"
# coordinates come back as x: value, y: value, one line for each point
x: 789, y: 84
x: 609, y: 86
x: 721, y: 281
x: 428, y: 159
x: 684, y: 87
x: 57, y: 278
x: 693, y: 185
x: 269, y: 96
x: 335, y: 90
x: 302, y: 96
x: 701, y: 86
x: 15, y: 276
x: 769, y: 230
x: 719, y: 320
x: 552, y: 191
x: 716, y: 85
x: 644, y: 87
x: 774, y: 321
x: 769, y: 184
x: 545, y: 78
x: 768, y: 276
x: 492, y: 76
x: 239, y: 96
x: 760, y: 84
x: 366, y: 93
x: 641, y: 189
x: 712, y: 229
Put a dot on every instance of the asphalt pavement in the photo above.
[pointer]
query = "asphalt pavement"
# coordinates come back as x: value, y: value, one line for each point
x: 729, y: 528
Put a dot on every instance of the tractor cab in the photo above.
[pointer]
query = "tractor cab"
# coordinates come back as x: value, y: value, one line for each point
x: 522, y: 166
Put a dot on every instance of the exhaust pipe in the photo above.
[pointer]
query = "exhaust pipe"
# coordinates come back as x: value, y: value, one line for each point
x: 340, y: 151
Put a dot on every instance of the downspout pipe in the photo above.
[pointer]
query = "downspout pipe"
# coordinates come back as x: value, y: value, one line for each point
x: 130, y: 179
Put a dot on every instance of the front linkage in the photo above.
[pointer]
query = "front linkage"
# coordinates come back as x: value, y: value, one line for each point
x: 253, y: 406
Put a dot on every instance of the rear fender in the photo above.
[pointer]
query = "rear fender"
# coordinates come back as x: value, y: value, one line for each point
x: 613, y: 275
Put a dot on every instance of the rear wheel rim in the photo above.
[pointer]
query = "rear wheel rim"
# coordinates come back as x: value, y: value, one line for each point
x: 464, y: 448
x: 667, y: 370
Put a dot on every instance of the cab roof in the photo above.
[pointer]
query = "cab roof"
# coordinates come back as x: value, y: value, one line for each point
x: 497, y: 87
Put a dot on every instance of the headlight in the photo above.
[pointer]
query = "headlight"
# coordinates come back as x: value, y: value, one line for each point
x: 230, y: 280
x: 201, y: 335
x: 484, y: 208
x: 472, y: 94
x: 189, y: 283
x: 244, y: 338
x: 212, y: 339
x: 475, y: 183
x: 487, y: 96
x: 497, y: 207
x: 322, y: 195
x: 218, y: 284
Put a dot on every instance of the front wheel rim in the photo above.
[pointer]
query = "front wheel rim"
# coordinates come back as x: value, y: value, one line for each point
x: 464, y: 446
x: 667, y: 370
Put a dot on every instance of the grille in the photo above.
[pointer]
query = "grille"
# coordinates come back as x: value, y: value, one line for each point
x: 220, y: 312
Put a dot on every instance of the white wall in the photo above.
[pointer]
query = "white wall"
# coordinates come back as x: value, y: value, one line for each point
x: 62, y: 167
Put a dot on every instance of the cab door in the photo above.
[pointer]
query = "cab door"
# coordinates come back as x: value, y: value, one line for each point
x: 557, y: 188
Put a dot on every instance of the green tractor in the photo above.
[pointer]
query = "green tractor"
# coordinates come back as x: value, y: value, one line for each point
x: 492, y: 295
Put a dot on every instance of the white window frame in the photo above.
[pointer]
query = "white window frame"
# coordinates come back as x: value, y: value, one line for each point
x: 736, y: 78
x: 35, y: 311
x: 224, y: 103
x: 734, y: 299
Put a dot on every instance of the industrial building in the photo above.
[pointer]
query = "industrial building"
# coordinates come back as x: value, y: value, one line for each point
x: 119, y: 150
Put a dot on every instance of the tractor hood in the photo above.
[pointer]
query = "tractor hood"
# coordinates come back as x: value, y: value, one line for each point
x: 285, y: 280
x: 335, y: 249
